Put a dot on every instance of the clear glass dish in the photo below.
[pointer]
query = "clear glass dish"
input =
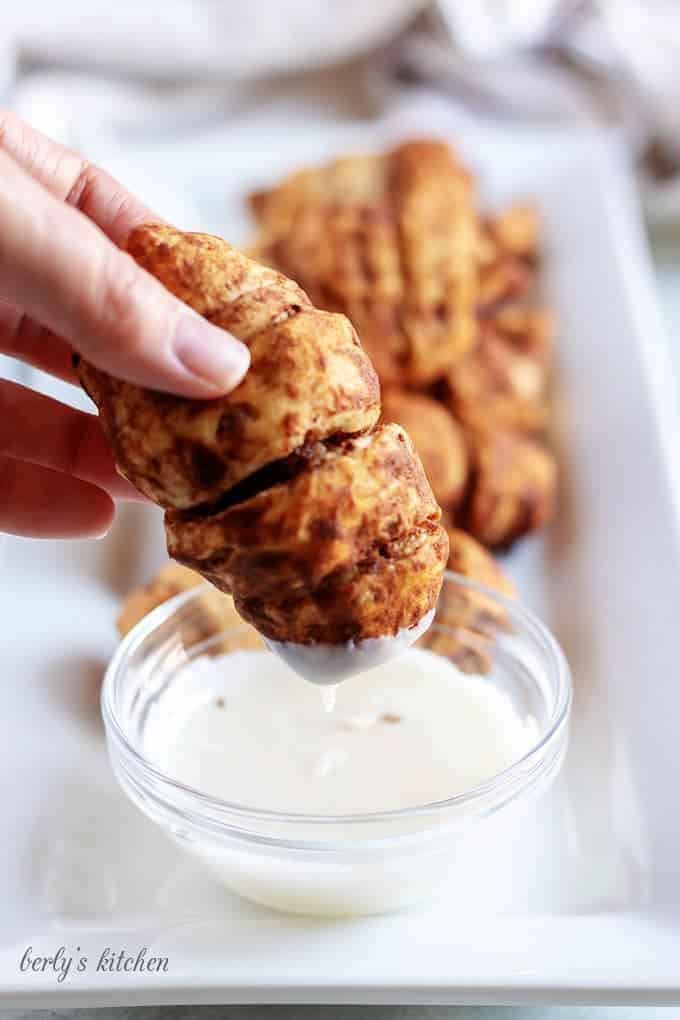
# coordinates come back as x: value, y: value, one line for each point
x: 350, y: 864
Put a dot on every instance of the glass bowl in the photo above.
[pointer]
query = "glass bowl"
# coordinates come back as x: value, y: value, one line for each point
x: 346, y: 864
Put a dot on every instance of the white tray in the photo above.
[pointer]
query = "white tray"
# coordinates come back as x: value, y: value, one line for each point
x: 584, y: 905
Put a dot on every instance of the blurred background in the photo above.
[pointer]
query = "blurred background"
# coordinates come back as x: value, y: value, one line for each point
x: 113, y: 79
x: 194, y: 102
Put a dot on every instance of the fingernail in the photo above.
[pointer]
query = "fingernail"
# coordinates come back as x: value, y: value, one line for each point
x: 210, y: 353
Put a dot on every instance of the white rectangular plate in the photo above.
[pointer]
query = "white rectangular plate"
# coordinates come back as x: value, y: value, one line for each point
x: 585, y: 903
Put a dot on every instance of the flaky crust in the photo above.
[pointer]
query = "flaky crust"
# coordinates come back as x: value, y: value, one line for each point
x: 497, y: 386
x: 170, y: 580
x: 322, y: 527
x: 508, y: 247
x: 210, y: 614
x: 513, y: 487
x: 437, y: 437
x: 356, y: 519
x: 468, y: 608
x: 516, y: 230
x: 470, y: 559
x: 380, y: 596
x: 391, y: 241
x: 309, y: 377
x: 467, y: 620
x: 526, y: 329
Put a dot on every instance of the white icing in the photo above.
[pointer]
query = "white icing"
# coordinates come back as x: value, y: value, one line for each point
x: 245, y: 728
x: 329, y: 696
x: 329, y: 664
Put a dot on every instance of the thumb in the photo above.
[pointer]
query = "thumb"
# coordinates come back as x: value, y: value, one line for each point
x: 63, y: 272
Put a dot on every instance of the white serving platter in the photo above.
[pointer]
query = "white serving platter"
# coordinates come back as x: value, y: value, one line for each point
x: 584, y: 903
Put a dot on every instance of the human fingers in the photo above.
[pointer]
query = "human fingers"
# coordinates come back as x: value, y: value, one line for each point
x: 61, y: 270
x: 45, y: 432
x: 73, y: 179
x: 36, y: 502
x: 26, y: 340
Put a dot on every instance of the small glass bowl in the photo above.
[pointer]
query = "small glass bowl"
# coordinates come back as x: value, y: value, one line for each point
x: 351, y: 864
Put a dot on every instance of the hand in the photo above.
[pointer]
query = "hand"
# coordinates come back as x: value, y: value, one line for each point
x: 65, y: 286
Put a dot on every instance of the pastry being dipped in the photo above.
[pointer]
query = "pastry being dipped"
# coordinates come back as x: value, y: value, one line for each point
x: 284, y: 492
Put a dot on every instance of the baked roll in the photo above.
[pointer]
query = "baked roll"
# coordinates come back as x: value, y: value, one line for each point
x: 512, y: 489
x: 309, y: 377
x: 212, y: 618
x: 467, y: 620
x: 351, y: 539
x: 437, y: 437
x: 498, y: 386
x: 323, y: 528
x: 508, y: 248
x: 391, y: 241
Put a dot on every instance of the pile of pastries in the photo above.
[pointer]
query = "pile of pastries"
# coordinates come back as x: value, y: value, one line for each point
x: 444, y: 300
x: 286, y: 493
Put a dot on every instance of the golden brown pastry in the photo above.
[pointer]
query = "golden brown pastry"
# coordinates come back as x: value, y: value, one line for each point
x: 507, y: 253
x: 470, y: 559
x: 497, y: 386
x: 321, y: 536
x: 210, y: 614
x: 517, y: 230
x: 349, y: 547
x: 526, y: 329
x: 309, y: 377
x: 513, y: 487
x: 171, y: 580
x: 467, y: 620
x: 377, y: 237
x: 437, y: 437
x: 390, y: 240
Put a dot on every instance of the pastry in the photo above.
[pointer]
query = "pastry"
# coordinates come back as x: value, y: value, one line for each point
x: 323, y: 528
x: 467, y: 620
x: 498, y: 386
x: 352, y: 538
x: 512, y: 489
x: 391, y: 241
x: 437, y: 437
x: 212, y: 613
x: 171, y: 580
x: 507, y: 252
x: 528, y: 330
x: 516, y: 231
x: 309, y: 377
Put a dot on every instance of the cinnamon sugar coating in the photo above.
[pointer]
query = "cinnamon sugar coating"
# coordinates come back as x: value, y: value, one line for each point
x: 468, y: 621
x: 282, y: 493
x: 350, y: 547
x: 437, y: 437
x: 497, y: 386
x: 389, y: 240
x: 513, y: 491
x: 309, y: 377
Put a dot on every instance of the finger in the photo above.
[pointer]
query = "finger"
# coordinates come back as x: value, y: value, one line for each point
x: 25, y: 339
x: 39, y: 503
x: 35, y: 428
x: 72, y: 179
x: 59, y: 267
